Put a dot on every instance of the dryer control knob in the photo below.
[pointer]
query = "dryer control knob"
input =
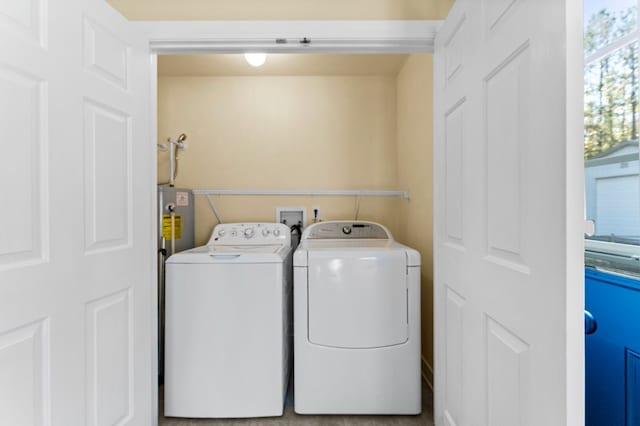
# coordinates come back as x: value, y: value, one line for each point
x: 276, y: 232
x: 265, y: 232
x: 249, y: 232
x: 346, y: 230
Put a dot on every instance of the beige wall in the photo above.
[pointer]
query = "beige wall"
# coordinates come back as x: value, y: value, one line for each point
x: 414, y: 156
x: 282, y: 9
x: 330, y: 132
x: 333, y: 132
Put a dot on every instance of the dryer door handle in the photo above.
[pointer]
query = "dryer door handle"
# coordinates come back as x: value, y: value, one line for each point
x: 224, y: 256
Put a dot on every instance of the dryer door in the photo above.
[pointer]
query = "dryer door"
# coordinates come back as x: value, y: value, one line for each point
x: 357, y: 298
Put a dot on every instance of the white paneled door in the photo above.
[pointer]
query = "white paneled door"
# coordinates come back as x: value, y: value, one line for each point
x: 508, y: 197
x: 75, y: 237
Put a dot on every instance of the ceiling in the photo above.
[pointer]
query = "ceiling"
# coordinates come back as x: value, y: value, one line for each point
x: 280, y: 64
x: 282, y: 9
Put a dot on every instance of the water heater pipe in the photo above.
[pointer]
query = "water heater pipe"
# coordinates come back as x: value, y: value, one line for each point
x: 173, y: 232
x: 174, y: 146
x: 172, y: 163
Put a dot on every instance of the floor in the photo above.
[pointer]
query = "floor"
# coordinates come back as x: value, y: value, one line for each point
x: 291, y: 419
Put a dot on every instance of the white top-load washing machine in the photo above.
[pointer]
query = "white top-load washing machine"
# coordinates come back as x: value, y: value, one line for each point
x: 228, y: 324
x: 356, y: 321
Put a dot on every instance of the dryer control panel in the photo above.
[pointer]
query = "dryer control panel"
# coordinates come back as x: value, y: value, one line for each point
x: 346, y: 230
x: 250, y: 233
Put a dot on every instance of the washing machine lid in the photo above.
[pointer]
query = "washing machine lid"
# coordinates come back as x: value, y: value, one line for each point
x: 244, y: 249
x: 357, y: 298
x: 240, y: 254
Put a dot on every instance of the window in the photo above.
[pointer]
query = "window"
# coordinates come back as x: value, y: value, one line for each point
x: 611, y: 129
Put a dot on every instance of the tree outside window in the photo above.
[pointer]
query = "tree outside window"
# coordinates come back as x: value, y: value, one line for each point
x: 611, y: 131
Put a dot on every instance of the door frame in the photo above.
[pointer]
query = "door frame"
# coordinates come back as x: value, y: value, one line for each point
x: 217, y: 37
x: 193, y: 37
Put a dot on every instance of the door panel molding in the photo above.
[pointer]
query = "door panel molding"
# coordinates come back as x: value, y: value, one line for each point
x: 105, y: 54
x: 24, y: 105
x: 25, y: 364
x: 109, y: 356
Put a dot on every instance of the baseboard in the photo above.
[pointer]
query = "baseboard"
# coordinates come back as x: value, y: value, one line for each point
x: 427, y: 373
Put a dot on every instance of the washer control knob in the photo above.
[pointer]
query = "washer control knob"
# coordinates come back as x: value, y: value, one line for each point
x: 265, y: 232
x: 221, y: 233
x: 346, y: 230
x: 276, y: 232
x: 249, y: 232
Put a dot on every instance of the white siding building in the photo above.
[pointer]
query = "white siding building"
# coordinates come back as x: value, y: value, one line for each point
x: 613, y: 193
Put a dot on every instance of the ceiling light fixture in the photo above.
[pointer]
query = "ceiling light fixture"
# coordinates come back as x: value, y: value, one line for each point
x: 255, y: 59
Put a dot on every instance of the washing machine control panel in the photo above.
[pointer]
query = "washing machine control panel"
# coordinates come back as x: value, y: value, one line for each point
x: 251, y: 233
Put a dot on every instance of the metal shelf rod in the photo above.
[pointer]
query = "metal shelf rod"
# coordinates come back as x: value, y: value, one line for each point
x: 303, y: 192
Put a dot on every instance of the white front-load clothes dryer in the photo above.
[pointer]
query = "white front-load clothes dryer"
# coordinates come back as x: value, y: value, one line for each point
x: 356, y: 321
x: 229, y: 324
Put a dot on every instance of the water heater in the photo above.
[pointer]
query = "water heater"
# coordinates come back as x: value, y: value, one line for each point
x: 175, y: 206
x: 176, y: 232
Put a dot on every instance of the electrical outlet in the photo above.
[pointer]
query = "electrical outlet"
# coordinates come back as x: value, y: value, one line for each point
x: 291, y: 216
